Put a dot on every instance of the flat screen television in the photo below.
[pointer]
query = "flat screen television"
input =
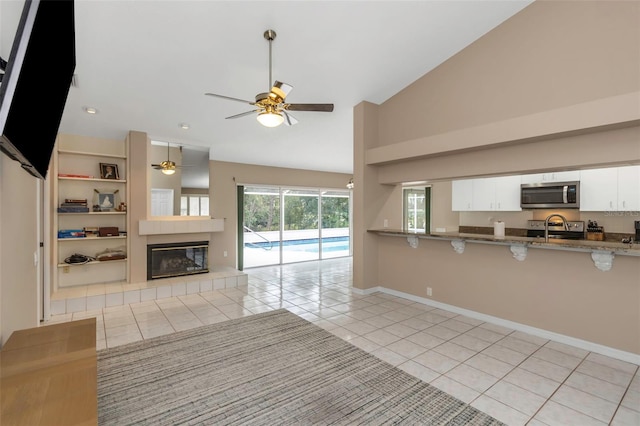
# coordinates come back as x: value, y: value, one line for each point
x: 36, y: 83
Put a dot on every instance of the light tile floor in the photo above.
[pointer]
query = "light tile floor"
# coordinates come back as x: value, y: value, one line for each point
x: 516, y: 377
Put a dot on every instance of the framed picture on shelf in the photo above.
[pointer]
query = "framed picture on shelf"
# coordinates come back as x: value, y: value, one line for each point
x: 105, y: 200
x: 109, y: 171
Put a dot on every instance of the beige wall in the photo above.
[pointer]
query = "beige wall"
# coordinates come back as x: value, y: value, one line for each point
x: 18, y: 242
x: 569, y: 153
x: 138, y: 203
x: 557, y: 291
x: 559, y: 77
x: 224, y: 178
x: 552, y: 54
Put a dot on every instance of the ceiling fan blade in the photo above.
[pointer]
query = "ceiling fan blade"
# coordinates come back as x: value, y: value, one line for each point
x: 230, y: 98
x: 289, y: 119
x: 156, y: 166
x: 309, y: 107
x: 243, y: 114
x: 281, y: 89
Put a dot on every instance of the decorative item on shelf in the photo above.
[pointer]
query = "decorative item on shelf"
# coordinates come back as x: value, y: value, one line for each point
x: 109, y: 171
x: 79, y: 259
x: 75, y: 175
x: 117, y: 253
x: 108, y: 231
x: 105, y: 200
x: 594, y: 232
x: 71, y: 233
x: 73, y: 206
x: 91, y: 231
x: 122, y: 207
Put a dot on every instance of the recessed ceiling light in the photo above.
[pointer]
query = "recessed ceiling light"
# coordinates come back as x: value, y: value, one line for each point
x: 184, y: 126
x: 90, y: 110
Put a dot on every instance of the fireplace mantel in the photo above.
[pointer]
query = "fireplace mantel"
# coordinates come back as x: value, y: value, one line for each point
x: 179, y: 225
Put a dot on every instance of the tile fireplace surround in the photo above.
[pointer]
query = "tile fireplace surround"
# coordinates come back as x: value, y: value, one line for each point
x: 98, y: 296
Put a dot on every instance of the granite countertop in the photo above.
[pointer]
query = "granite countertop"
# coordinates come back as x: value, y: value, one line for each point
x: 558, y: 244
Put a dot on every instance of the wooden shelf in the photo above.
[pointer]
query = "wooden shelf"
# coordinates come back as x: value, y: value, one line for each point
x: 91, y: 213
x: 78, y: 163
x: 93, y: 262
x: 92, y: 179
x: 119, y: 237
x: 91, y: 154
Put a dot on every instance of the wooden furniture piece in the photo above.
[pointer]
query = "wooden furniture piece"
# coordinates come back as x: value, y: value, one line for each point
x: 49, y: 375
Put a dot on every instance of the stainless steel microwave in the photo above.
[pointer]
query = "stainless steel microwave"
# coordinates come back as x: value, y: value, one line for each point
x: 550, y: 195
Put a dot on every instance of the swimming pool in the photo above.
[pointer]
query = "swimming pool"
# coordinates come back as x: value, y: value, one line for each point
x: 306, y: 245
x: 268, y: 253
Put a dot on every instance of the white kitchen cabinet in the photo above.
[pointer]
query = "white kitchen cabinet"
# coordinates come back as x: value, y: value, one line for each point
x: 461, y: 194
x: 484, y: 194
x: 508, y: 193
x: 629, y: 188
x: 567, y: 176
x: 496, y: 194
x: 487, y: 194
x: 610, y: 189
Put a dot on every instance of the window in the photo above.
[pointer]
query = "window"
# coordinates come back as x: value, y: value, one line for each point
x: 161, y: 202
x: 194, y: 205
x: 416, y: 209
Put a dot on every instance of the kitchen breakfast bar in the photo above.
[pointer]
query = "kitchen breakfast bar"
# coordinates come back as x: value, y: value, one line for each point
x: 602, y: 252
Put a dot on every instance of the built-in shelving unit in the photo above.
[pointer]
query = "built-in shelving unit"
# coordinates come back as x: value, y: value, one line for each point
x: 77, y: 176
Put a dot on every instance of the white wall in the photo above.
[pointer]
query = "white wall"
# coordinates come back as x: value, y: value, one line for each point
x: 18, y: 242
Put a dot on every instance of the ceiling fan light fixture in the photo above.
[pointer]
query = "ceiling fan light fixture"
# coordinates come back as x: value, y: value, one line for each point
x: 168, y: 167
x: 270, y: 119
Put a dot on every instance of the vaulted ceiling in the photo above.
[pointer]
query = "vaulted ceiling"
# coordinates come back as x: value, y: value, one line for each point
x: 145, y: 65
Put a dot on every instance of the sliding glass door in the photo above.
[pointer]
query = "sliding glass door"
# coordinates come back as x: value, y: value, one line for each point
x: 286, y: 225
x: 261, y: 228
x: 300, y: 237
x: 335, y: 224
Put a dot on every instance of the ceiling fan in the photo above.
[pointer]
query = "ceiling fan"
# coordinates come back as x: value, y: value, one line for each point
x: 168, y: 167
x: 271, y: 106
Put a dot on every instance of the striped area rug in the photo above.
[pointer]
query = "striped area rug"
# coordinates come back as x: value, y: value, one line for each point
x: 272, y: 368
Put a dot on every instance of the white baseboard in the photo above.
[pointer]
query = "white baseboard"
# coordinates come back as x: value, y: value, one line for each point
x: 556, y: 337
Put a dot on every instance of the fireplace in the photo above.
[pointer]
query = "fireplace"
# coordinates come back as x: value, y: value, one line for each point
x: 177, y: 259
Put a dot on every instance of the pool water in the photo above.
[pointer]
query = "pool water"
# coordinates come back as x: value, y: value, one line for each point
x: 268, y: 253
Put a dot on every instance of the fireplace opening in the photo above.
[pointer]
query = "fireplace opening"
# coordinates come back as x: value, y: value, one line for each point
x: 177, y: 259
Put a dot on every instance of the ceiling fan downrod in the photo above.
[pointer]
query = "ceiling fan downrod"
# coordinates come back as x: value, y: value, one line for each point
x: 270, y: 35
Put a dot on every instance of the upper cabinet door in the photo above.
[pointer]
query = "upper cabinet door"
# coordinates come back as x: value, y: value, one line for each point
x: 484, y: 194
x: 508, y: 193
x: 461, y: 195
x: 629, y: 188
x: 551, y: 177
x: 599, y: 190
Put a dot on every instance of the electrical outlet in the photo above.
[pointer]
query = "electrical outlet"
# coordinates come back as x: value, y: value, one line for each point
x: 225, y: 253
x: 429, y: 291
x: 386, y: 223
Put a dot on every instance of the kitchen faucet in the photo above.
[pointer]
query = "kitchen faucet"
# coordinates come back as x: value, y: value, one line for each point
x: 546, y: 225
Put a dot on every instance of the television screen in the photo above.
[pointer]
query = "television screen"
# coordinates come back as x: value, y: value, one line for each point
x: 36, y: 83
